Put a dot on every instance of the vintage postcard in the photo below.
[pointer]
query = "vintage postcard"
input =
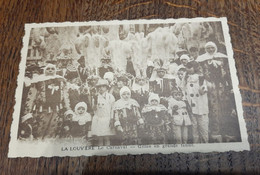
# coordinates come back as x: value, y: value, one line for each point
x: 127, y: 87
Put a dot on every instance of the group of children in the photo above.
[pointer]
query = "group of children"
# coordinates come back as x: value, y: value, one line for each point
x: 154, y: 111
x: 168, y: 105
x: 125, y: 122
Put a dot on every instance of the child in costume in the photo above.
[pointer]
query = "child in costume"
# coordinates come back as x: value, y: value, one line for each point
x: 214, y: 70
x: 184, y: 59
x: 92, y: 81
x: 25, y: 127
x: 181, y: 70
x: 81, y: 121
x: 130, y: 67
x: 179, y: 117
x: 121, y: 80
x: 109, y: 76
x: 67, y: 124
x: 160, y: 82
x: 82, y: 70
x: 127, y: 118
x: 105, y: 66
x: 140, y: 90
x: 156, y: 120
x: 46, y: 97
x: 101, y: 120
x: 195, y: 89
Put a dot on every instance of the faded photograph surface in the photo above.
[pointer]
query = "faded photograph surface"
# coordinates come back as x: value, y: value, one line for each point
x: 128, y: 84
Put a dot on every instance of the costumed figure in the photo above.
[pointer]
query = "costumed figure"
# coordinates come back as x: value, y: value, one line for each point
x: 105, y: 66
x: 46, y: 97
x: 25, y: 127
x: 83, y: 70
x: 161, y: 83
x: 194, y: 53
x: 109, y: 76
x: 181, y: 71
x: 101, y: 121
x: 64, y: 57
x: 130, y: 67
x: 195, y: 88
x: 212, y: 63
x: 173, y: 66
x: 156, y: 121
x: 179, y: 117
x: 67, y: 124
x: 184, y: 60
x: 92, y: 81
x: 121, y: 80
x: 81, y: 121
x: 149, y: 69
x: 127, y: 118
x: 73, y: 88
x: 140, y: 90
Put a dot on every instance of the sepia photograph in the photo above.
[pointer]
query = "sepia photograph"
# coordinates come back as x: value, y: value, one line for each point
x: 127, y: 87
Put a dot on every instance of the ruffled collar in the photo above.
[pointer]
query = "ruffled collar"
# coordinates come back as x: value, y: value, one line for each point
x: 81, y: 119
x: 42, y: 78
x: 207, y: 56
x: 158, y: 108
x: 121, y: 104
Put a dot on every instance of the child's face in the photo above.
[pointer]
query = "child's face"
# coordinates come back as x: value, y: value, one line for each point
x: 210, y: 50
x: 50, y: 71
x: 102, y: 89
x: 194, y: 53
x: 94, y: 81
x: 100, y: 105
x: 184, y: 62
x: 120, y: 84
x: 190, y: 70
x: 180, y: 74
x: 68, y: 117
x: 141, y: 82
x: 126, y: 95
x: 154, y: 102
x: 161, y: 74
x: 177, y: 96
x: 81, y: 110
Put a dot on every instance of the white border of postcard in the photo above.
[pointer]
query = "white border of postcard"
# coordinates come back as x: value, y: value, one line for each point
x: 18, y: 148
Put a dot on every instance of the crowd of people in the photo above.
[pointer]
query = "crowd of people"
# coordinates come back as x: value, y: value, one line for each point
x: 182, y: 100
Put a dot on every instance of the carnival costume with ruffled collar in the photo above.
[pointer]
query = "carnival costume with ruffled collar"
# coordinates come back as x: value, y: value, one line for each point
x: 127, y: 115
x: 154, y: 115
x: 47, y: 96
x: 214, y: 58
x: 155, y: 118
x: 122, y: 104
x: 80, y: 122
x: 81, y: 118
x: 216, y: 72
